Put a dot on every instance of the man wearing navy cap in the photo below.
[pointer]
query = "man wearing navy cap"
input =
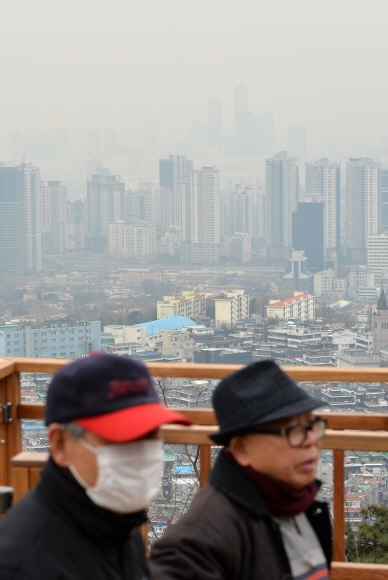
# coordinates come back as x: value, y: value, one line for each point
x: 257, y: 517
x: 106, y: 458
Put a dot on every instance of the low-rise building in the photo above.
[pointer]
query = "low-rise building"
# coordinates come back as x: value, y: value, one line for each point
x: 189, y: 304
x: 231, y: 307
x: 55, y: 341
x: 301, y: 307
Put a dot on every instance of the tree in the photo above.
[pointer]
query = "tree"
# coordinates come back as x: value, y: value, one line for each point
x: 369, y: 542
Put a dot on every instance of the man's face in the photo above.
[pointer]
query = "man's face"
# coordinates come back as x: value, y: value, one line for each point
x: 273, y: 455
x: 66, y: 450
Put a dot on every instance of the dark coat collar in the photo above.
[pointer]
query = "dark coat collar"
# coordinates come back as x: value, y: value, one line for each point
x: 230, y: 480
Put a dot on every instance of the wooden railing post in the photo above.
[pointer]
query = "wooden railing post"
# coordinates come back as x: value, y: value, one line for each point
x: 339, y: 499
x: 205, y: 462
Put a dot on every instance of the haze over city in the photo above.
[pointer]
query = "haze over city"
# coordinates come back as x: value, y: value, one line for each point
x: 146, y: 69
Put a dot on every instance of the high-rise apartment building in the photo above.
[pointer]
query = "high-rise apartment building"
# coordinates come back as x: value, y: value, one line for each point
x: 282, y: 191
x: 248, y: 212
x: 74, y: 234
x: 53, y: 200
x: 174, y: 170
x: 378, y: 255
x: 135, y: 241
x: 384, y: 200
x: 323, y: 179
x: 174, y: 177
x: 105, y: 204
x: 363, y: 206
x: 20, y: 218
x: 205, y: 206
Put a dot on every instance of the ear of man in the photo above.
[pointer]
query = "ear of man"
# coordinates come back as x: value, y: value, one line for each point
x: 238, y: 448
x: 59, y: 444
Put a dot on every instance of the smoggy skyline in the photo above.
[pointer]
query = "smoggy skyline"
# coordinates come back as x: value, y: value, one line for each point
x: 146, y: 67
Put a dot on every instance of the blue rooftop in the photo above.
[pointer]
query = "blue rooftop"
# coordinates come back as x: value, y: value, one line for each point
x: 184, y: 469
x: 172, y: 323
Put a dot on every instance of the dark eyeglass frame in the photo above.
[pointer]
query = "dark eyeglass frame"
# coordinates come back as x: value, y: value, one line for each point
x: 285, y: 431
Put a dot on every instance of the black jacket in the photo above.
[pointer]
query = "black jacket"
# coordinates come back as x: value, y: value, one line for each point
x: 229, y: 534
x: 56, y: 532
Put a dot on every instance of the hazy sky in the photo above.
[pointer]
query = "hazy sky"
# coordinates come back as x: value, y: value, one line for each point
x: 95, y: 63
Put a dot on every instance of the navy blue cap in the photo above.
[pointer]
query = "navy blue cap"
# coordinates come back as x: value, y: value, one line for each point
x: 109, y: 395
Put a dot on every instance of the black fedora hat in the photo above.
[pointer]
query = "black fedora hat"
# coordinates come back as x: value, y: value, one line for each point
x: 257, y: 394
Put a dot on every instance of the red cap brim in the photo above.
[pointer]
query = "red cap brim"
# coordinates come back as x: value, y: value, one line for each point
x: 131, y: 423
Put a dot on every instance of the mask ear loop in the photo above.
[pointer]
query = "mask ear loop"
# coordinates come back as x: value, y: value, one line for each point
x: 74, y: 471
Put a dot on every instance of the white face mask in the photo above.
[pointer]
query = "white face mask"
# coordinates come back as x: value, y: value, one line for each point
x: 128, y: 474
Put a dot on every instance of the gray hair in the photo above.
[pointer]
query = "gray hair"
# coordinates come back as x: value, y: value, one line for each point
x: 74, y: 430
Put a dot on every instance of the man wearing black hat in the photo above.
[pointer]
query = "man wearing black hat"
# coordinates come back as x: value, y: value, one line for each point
x: 82, y: 520
x: 257, y: 517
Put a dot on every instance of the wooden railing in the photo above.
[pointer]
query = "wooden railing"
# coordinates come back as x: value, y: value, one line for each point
x: 345, y: 431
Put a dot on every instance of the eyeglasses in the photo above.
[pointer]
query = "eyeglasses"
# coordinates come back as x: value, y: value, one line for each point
x: 297, y: 434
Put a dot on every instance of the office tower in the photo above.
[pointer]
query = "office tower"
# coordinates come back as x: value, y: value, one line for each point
x: 105, y: 204
x: 363, y: 206
x: 53, y: 199
x: 20, y: 218
x: 307, y: 234
x: 244, y: 128
x: 384, y: 200
x: 323, y: 179
x: 215, y: 122
x: 74, y: 234
x: 264, y: 134
x: 296, y: 142
x: 282, y: 195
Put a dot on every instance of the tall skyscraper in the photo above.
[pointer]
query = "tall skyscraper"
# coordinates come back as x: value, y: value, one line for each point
x: 53, y: 200
x: 20, y: 218
x: 215, y: 122
x: 282, y: 189
x: 323, y: 179
x: 105, y: 204
x: 307, y: 234
x: 363, y: 206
